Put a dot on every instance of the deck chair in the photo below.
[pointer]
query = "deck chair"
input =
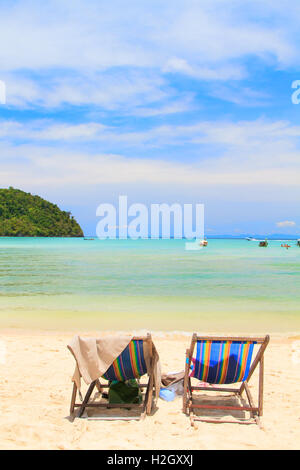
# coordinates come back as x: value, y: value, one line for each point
x: 224, y: 360
x: 130, y: 364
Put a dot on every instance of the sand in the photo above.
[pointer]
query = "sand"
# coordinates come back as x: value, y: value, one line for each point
x: 35, y: 391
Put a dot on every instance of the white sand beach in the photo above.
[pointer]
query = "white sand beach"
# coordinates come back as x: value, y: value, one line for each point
x: 35, y: 391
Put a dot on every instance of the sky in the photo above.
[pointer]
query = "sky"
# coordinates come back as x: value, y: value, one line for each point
x: 166, y: 101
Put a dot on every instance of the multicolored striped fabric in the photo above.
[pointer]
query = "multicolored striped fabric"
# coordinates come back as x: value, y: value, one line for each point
x: 129, y: 365
x: 222, y: 362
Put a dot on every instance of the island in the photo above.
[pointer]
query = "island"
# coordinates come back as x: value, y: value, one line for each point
x: 25, y: 215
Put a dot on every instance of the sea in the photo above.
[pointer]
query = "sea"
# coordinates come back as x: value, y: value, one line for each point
x: 231, y: 285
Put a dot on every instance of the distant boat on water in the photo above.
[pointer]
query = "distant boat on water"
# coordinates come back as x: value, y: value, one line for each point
x: 251, y: 239
x: 298, y: 242
x: 263, y: 243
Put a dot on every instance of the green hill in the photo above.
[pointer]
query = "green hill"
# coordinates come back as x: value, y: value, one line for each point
x: 25, y: 215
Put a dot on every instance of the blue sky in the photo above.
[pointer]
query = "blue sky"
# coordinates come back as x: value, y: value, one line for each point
x: 164, y: 101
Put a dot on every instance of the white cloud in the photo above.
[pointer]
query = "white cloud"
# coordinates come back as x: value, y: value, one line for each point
x: 39, y: 166
x: 244, y: 153
x: 286, y: 223
x: 111, y: 90
x: 242, y: 96
x: 172, y: 107
x: 68, y: 35
x: 74, y: 35
x: 216, y: 31
x: 262, y: 142
x: 229, y: 72
x: 70, y: 45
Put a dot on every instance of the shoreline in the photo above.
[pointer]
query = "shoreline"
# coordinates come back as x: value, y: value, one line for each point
x: 237, y: 326
x: 168, y: 334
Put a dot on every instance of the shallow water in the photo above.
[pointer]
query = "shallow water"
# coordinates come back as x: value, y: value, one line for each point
x: 153, y: 284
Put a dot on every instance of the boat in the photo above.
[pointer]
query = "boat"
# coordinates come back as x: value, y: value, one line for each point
x: 298, y: 242
x: 263, y: 243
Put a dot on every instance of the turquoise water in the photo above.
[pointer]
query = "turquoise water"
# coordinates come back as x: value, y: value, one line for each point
x: 157, y: 284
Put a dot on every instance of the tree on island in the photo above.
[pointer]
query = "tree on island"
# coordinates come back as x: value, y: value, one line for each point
x: 25, y: 215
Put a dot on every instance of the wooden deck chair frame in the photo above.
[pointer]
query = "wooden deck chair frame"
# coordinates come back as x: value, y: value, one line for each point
x: 145, y: 406
x: 255, y: 411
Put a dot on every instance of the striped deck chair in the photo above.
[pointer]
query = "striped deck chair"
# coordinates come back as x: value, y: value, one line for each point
x: 130, y: 364
x: 223, y: 360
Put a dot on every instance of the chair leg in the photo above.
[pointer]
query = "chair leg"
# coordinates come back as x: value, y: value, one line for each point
x: 193, y: 418
x: 146, y: 399
x: 150, y: 395
x: 86, y: 399
x: 185, y: 383
x: 98, y: 385
x: 73, y: 399
x: 261, y: 386
x: 185, y: 399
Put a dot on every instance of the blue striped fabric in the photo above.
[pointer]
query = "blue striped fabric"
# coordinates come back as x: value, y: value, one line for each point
x: 129, y: 365
x: 222, y: 362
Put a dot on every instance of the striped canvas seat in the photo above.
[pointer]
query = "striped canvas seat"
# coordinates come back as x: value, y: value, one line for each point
x: 222, y: 362
x: 129, y: 365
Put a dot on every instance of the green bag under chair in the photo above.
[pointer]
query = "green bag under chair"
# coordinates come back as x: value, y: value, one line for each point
x: 124, y: 392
